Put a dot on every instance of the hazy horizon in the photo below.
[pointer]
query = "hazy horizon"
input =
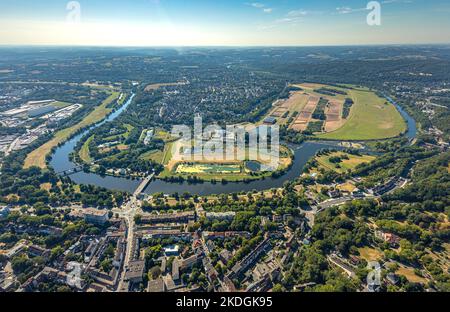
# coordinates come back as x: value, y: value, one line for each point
x: 164, y: 23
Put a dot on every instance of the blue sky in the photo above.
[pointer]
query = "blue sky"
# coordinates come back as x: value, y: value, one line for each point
x: 220, y: 22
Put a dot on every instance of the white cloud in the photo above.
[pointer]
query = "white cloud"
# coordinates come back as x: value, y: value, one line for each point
x: 348, y: 10
x: 291, y: 18
x: 257, y: 5
x: 260, y: 6
x: 297, y: 13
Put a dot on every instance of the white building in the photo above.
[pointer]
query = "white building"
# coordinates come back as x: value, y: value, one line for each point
x: 148, y: 137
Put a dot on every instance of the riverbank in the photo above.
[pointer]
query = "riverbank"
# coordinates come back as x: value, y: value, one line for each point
x: 302, y: 154
x: 38, y: 157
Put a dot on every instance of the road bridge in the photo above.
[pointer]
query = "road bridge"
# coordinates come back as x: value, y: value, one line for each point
x: 143, y: 184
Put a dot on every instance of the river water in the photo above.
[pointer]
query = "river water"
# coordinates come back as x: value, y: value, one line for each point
x: 60, y: 162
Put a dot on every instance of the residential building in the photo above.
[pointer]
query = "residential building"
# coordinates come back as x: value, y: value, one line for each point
x: 135, y: 271
x: 176, y: 234
x: 95, y: 216
x: 156, y: 285
x: 390, y: 238
x: 334, y: 193
x: 188, y: 263
x: 37, y: 251
x: 181, y: 217
x: 225, y: 256
x: 242, y: 266
x: 340, y: 263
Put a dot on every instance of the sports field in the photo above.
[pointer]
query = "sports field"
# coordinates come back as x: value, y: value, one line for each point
x: 37, y: 157
x: 208, y: 168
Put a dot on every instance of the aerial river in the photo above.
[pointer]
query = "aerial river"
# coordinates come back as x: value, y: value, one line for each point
x: 303, y: 152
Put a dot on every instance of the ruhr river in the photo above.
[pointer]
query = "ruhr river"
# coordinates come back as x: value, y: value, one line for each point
x: 303, y: 152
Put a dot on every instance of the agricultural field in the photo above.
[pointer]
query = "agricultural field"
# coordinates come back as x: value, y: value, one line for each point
x: 37, y: 157
x: 305, y: 115
x: 287, y: 109
x: 335, y: 113
x: 370, y: 118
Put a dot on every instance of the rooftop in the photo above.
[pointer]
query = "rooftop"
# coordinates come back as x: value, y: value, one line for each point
x: 156, y: 285
x: 95, y: 212
x: 135, y: 269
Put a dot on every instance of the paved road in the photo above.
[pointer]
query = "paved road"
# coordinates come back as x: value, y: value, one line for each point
x: 143, y: 185
x: 334, y: 202
x: 12, y: 146
x: 129, y: 211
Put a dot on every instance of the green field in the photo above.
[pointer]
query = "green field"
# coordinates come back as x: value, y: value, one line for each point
x: 84, y: 151
x: 167, y: 154
x: 154, y: 155
x: 37, y: 157
x: 371, y: 118
x: 345, y: 164
x: 129, y: 128
x: 163, y: 135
